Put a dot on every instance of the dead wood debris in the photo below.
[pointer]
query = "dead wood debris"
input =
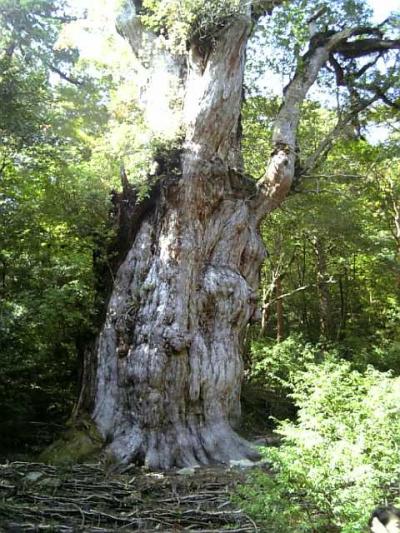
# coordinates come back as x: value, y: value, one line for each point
x: 35, y: 497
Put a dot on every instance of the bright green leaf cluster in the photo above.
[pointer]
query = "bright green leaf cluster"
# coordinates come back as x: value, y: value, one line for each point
x: 339, y: 459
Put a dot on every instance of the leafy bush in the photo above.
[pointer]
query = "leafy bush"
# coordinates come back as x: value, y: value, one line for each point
x: 383, y: 356
x: 339, y: 459
x: 274, y: 365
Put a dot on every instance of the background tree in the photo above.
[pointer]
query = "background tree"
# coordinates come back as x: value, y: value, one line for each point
x: 51, y: 214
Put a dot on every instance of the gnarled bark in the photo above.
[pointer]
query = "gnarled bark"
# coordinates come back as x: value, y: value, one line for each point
x: 169, y: 366
x: 168, y: 358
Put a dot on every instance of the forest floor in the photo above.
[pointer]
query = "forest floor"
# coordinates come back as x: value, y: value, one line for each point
x: 87, y: 497
x: 36, y: 497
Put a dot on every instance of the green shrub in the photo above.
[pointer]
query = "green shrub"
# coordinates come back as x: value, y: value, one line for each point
x: 339, y: 459
x: 274, y: 365
x: 384, y: 356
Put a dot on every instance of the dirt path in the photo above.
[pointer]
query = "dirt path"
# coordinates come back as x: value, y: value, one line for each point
x: 38, y: 497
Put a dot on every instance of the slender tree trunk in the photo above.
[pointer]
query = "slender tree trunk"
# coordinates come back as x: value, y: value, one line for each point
x: 280, y: 323
x: 322, y: 287
x: 268, y: 298
x: 343, y: 309
x: 265, y: 313
x: 396, y: 232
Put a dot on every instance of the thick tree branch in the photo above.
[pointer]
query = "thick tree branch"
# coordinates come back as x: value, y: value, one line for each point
x: 364, y: 47
x: 277, y: 181
x: 338, y: 69
x: 321, y: 46
x: 278, y: 178
x: 312, y: 21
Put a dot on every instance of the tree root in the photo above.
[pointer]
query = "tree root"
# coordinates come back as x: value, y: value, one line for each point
x: 39, y: 497
x: 195, y: 445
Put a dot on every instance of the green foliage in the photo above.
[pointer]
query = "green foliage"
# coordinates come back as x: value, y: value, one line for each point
x: 338, y: 459
x: 30, y: 29
x: 61, y: 147
x: 181, y: 21
x: 274, y: 365
x: 52, y: 213
x: 258, y: 114
x: 338, y: 235
x: 273, y: 504
x: 287, y: 33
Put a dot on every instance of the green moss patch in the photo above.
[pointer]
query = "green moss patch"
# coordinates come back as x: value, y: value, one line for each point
x: 80, y: 442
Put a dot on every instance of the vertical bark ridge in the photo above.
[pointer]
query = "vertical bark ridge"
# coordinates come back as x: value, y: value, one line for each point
x: 213, y: 97
x: 169, y: 364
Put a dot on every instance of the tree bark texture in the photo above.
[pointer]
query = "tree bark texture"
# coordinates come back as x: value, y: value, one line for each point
x: 169, y: 368
x: 168, y: 364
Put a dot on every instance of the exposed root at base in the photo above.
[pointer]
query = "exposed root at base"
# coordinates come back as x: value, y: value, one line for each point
x: 38, y: 497
x: 182, y: 447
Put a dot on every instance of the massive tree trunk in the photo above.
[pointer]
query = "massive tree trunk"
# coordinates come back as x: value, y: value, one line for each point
x: 169, y: 367
x: 164, y: 387
x: 168, y: 364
